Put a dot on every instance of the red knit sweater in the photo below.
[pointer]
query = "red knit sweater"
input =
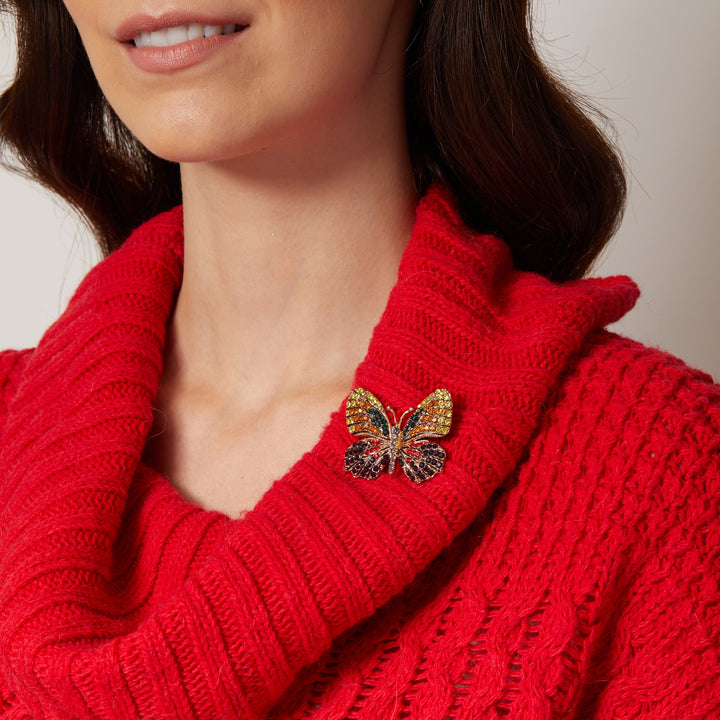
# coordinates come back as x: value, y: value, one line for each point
x: 564, y: 564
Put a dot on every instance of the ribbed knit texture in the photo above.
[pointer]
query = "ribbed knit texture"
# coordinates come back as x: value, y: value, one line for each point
x: 565, y: 564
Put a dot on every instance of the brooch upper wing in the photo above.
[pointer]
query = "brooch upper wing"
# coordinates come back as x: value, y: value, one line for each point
x: 384, y: 443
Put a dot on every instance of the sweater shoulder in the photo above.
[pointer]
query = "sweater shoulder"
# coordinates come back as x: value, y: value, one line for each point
x: 642, y: 425
x: 633, y: 392
x: 12, y: 365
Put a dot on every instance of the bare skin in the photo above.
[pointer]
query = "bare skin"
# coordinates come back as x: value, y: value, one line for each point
x: 263, y: 347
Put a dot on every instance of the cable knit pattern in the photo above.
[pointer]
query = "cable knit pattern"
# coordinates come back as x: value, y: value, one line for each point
x: 565, y: 563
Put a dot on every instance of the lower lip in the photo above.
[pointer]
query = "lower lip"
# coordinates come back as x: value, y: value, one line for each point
x: 181, y: 56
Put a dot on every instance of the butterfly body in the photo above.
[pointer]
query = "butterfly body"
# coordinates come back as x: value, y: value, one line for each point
x: 395, y: 447
x: 385, y: 443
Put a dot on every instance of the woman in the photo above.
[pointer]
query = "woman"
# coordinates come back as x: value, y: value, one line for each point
x: 511, y: 511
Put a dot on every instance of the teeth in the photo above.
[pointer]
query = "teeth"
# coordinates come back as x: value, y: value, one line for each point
x: 158, y: 38
x: 174, y: 36
x: 196, y: 31
x: 181, y: 34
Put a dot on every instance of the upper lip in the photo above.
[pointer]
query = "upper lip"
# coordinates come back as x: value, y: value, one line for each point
x: 136, y: 24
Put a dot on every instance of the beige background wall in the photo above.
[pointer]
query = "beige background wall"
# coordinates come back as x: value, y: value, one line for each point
x: 654, y: 65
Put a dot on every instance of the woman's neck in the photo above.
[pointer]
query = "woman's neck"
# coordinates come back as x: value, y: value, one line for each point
x: 284, y: 281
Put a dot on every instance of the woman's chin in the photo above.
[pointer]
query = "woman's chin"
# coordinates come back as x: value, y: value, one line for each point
x: 190, y: 150
x: 192, y: 142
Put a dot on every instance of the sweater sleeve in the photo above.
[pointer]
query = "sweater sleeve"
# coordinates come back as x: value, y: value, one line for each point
x: 660, y: 654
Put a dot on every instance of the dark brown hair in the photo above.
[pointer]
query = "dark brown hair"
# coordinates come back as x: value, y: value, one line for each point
x: 484, y: 116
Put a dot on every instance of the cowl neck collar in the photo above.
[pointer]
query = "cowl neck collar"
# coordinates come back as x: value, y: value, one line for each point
x: 112, y: 587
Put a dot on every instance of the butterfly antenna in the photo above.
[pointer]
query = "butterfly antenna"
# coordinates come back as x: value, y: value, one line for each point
x: 392, y: 412
x: 402, y: 417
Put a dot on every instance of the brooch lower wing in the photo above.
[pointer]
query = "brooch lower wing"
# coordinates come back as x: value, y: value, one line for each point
x: 383, y: 443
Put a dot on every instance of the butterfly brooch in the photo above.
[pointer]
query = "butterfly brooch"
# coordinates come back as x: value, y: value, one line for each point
x: 384, y: 443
